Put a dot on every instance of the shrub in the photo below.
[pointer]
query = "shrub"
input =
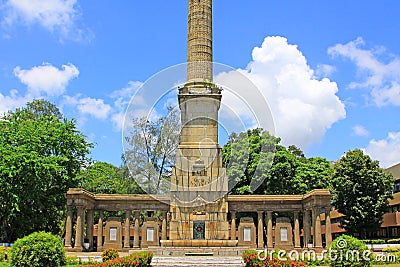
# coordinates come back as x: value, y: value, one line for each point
x: 140, y: 259
x: 373, y: 241
x: 349, y: 251
x: 109, y: 254
x: 38, y: 250
x: 5, y: 254
x: 394, y: 241
x: 391, y: 249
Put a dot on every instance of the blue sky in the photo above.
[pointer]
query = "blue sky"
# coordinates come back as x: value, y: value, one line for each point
x: 330, y: 70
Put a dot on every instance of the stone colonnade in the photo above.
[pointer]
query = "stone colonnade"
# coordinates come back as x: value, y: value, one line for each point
x: 84, y: 228
x: 311, y: 228
x: 306, y: 215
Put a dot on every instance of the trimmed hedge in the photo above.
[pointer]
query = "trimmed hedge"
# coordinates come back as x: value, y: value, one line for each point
x: 38, y: 250
x: 5, y: 254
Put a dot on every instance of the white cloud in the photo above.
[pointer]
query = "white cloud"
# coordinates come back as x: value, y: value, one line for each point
x: 122, y: 98
x: 387, y: 150
x: 360, y: 130
x: 324, y: 70
x: 12, y: 101
x: 91, y: 106
x: 54, y: 15
x: 379, y: 75
x: 303, y: 107
x: 47, y: 79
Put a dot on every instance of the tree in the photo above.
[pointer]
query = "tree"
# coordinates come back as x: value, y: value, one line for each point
x: 41, y: 155
x: 361, y: 191
x: 247, y: 157
x: 257, y: 157
x: 150, y: 151
x: 105, y: 178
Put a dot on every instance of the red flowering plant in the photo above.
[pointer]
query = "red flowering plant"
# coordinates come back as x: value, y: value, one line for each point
x: 253, y: 258
x: 140, y: 259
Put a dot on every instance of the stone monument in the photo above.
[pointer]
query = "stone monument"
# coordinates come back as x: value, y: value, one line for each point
x: 199, y: 184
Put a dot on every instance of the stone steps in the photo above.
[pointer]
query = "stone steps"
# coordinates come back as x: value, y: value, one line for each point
x: 198, y: 261
x: 198, y: 251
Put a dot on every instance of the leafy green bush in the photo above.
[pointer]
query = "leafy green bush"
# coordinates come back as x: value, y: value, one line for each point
x: 38, y: 250
x: 140, y: 259
x: 5, y: 254
x: 109, y: 254
x: 349, y: 251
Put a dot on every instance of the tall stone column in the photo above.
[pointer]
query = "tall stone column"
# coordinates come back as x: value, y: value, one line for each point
x: 79, y: 227
x: 296, y: 229
x: 233, y: 225
x: 127, y: 229
x: 317, y: 228
x: 260, y: 230
x: 136, y: 230
x: 328, y: 229
x: 306, y: 228
x: 164, y: 226
x: 270, y: 243
x: 89, y: 228
x: 100, y: 232
x: 199, y: 54
x: 68, y: 228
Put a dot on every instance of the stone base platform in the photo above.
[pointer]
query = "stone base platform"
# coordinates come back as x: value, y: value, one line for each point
x: 197, y: 251
x: 199, y: 243
x: 197, y: 261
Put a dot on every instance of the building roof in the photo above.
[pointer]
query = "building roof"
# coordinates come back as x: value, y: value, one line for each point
x: 395, y: 171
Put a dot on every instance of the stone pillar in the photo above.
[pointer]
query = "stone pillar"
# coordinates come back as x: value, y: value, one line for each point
x: 127, y: 229
x: 89, y: 228
x: 328, y: 230
x: 306, y: 228
x: 164, y: 226
x: 296, y: 229
x: 260, y: 230
x: 313, y: 222
x: 68, y: 228
x: 233, y: 225
x: 317, y: 228
x: 270, y: 243
x: 136, y: 230
x: 100, y: 232
x: 79, y: 227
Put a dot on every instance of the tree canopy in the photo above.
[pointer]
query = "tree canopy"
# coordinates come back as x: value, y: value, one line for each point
x: 41, y: 155
x: 256, y: 156
x: 105, y: 178
x: 361, y: 191
x: 150, y: 151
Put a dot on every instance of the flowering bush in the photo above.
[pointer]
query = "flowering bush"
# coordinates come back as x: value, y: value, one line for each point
x: 140, y: 259
x: 252, y: 259
x: 109, y: 254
